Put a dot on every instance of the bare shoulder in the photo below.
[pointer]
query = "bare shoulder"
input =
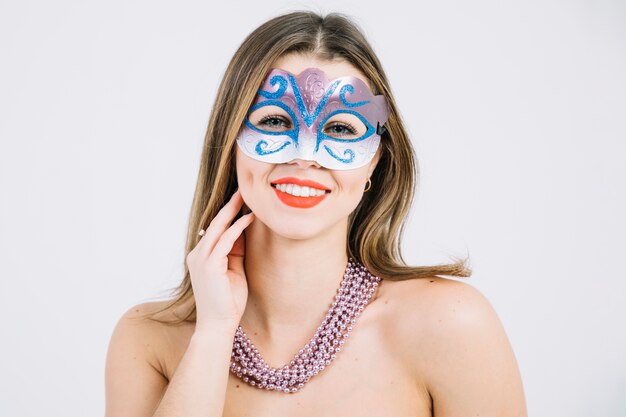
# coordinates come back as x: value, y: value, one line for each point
x: 448, y: 305
x: 134, y: 377
x: 428, y: 312
x: 147, y: 335
x: 449, y: 335
x: 428, y: 304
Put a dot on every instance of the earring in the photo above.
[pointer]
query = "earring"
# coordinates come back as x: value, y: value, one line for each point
x: 369, y: 185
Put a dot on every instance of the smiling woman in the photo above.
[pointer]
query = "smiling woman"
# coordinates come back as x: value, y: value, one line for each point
x: 306, y: 177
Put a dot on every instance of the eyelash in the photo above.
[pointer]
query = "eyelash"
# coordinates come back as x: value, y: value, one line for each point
x: 351, y: 129
x: 274, y: 116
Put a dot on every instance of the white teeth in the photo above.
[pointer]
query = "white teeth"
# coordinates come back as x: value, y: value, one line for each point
x: 299, y: 191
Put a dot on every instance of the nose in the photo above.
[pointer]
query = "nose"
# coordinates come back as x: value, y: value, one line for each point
x: 304, y: 163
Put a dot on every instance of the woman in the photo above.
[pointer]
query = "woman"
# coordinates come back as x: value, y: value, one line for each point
x: 306, y: 153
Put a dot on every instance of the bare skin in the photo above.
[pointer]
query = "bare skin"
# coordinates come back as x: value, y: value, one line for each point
x: 405, y: 357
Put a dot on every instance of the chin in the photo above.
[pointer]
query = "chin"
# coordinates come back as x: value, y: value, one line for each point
x: 295, y: 229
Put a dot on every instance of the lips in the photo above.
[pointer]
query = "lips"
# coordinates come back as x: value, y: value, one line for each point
x: 301, y: 182
x: 299, y: 202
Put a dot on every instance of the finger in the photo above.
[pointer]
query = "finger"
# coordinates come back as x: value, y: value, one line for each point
x: 237, y: 255
x: 220, y: 223
x: 225, y: 243
x: 238, y: 247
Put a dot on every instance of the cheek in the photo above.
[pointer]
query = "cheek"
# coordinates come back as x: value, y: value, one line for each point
x: 351, y: 182
x: 250, y: 171
x: 252, y: 177
x: 243, y: 168
x: 351, y: 193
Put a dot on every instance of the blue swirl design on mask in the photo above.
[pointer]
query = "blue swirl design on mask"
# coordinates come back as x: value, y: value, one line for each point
x: 348, y: 160
x: 261, y: 145
x: 282, y: 82
x: 342, y: 95
x: 310, y: 118
x: 276, y: 79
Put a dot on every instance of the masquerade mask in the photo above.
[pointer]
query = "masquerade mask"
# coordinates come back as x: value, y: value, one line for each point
x: 335, y: 123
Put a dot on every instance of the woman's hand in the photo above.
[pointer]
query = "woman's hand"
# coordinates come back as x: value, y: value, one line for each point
x: 217, y: 271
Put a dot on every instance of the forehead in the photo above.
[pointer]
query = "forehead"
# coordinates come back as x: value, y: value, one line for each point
x: 296, y: 63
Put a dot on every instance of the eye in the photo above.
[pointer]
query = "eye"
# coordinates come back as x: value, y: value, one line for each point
x: 340, y: 130
x: 275, y: 122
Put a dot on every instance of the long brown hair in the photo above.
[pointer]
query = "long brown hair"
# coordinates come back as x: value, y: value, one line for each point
x: 376, y: 225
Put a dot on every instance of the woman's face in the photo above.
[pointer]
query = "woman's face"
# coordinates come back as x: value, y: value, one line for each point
x: 303, y: 217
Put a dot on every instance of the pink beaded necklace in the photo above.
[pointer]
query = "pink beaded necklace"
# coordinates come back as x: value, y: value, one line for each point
x: 354, y: 293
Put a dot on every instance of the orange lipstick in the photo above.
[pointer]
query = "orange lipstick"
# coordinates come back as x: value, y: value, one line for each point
x: 300, y: 202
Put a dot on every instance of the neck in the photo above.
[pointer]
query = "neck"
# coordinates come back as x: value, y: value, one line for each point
x: 291, y: 283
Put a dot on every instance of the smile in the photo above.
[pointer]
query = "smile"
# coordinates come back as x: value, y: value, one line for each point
x: 299, y: 193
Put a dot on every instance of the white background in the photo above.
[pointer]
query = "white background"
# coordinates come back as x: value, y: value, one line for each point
x: 516, y: 109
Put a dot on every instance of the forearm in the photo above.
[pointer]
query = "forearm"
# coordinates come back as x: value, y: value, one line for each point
x: 198, y: 387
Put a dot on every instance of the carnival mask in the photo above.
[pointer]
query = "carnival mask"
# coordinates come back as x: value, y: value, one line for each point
x: 336, y: 123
